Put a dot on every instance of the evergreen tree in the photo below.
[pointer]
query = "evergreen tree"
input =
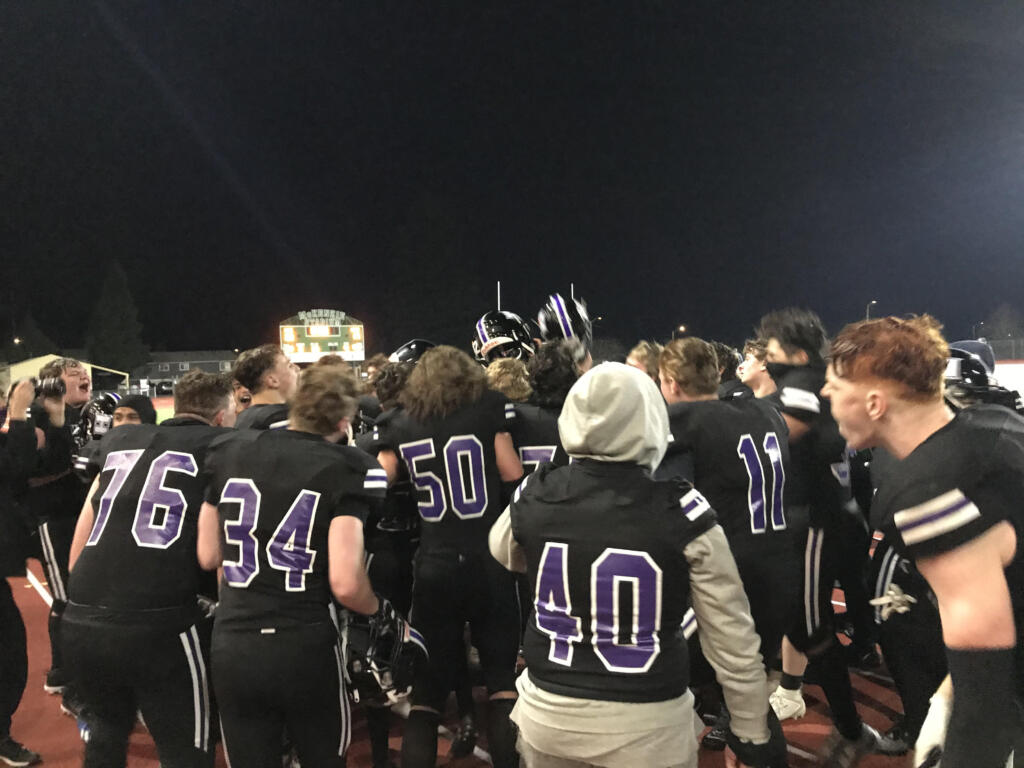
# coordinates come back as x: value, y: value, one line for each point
x: 114, y: 339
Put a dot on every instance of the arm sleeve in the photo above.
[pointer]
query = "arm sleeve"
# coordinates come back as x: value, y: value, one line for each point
x: 504, y: 547
x: 727, y: 633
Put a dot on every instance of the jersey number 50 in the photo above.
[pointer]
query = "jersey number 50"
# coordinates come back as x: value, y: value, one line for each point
x: 463, y: 460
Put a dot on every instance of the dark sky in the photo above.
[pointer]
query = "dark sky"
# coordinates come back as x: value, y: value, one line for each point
x: 697, y: 162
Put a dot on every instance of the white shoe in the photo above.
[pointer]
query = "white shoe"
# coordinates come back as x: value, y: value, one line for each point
x: 787, y: 704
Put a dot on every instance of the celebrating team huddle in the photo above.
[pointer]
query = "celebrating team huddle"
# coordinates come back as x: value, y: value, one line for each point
x: 630, y: 533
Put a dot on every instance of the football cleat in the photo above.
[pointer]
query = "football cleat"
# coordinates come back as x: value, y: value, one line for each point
x: 501, y: 334
x: 561, y: 319
x: 56, y: 680
x: 840, y: 752
x: 787, y: 704
x: 15, y: 754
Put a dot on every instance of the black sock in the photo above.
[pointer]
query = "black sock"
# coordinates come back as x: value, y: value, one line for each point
x: 419, y: 740
x: 791, y: 682
x: 835, y: 682
x: 377, y: 722
x: 501, y: 733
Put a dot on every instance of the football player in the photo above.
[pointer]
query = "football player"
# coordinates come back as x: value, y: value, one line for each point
x: 500, y: 333
x: 17, y: 455
x: 817, y: 490
x: 283, y: 519
x: 270, y: 377
x: 391, y: 536
x: 452, y: 440
x: 728, y: 361
x: 602, y: 688
x: 131, y: 632
x: 739, y: 452
x: 55, y: 494
x: 952, y: 505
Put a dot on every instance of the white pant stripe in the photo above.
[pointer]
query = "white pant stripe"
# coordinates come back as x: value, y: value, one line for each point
x: 204, y: 689
x: 198, y: 737
x: 817, y: 577
x: 881, y: 583
x: 52, y: 568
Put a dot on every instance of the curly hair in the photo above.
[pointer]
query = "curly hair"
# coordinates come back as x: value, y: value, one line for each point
x: 909, y: 352
x: 389, y: 381
x: 553, y: 371
x: 444, y: 380
x: 692, y: 364
x: 796, y: 329
x: 326, y: 394
x: 509, y: 376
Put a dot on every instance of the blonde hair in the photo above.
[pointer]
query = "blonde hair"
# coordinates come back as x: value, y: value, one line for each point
x: 692, y: 364
x: 326, y: 394
x: 509, y: 376
x: 647, y: 353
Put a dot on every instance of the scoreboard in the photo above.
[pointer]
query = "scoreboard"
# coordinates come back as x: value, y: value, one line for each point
x: 309, y: 335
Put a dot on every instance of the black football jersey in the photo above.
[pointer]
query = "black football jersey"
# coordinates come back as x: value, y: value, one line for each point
x: 277, y: 492
x: 604, y: 552
x: 399, y: 511
x: 536, y: 438
x: 965, y: 478
x: 820, y: 476
x: 264, y: 416
x: 452, y: 465
x: 141, y: 553
x: 740, y: 453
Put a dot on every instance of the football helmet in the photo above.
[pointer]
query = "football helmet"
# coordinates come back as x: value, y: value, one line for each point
x: 382, y: 655
x: 968, y: 381
x: 411, y: 351
x: 561, y: 319
x: 97, y: 417
x: 501, y: 334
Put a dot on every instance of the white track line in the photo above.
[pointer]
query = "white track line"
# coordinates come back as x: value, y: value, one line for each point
x: 800, y: 752
x: 38, y: 587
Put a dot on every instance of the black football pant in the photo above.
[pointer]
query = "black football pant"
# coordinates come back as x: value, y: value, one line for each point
x: 153, y: 661
x: 854, y: 542
x: 13, y: 658
x: 812, y: 629
x: 55, y: 535
x: 911, y: 641
x: 389, y: 566
x: 450, y: 590
x: 285, y: 679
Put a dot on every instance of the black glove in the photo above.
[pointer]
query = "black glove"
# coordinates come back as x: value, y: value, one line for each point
x: 771, y: 754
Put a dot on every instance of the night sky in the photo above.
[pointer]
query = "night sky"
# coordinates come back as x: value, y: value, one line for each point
x: 697, y: 162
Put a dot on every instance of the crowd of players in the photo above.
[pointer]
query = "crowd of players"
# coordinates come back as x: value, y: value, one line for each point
x: 655, y: 541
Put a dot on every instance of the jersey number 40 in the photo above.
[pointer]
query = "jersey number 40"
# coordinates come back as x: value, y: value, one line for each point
x: 613, y: 570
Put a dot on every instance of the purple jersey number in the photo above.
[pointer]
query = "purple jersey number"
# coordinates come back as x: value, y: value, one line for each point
x: 747, y: 450
x: 553, y: 605
x: 161, y: 511
x: 288, y: 550
x: 121, y: 463
x: 239, y: 532
x: 532, y: 456
x: 614, y: 570
x: 463, y: 461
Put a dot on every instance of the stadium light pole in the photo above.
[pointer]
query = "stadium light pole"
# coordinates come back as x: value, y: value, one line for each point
x: 867, y: 309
